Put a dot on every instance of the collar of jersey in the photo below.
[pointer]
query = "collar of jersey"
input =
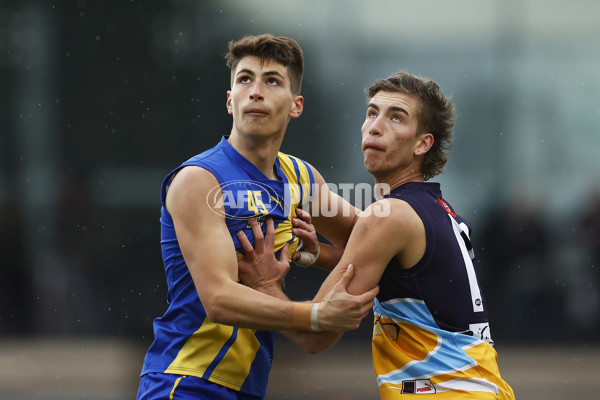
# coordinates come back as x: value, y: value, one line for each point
x: 243, y: 162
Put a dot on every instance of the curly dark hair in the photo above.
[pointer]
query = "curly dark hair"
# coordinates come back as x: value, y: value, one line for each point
x: 267, y: 47
x: 436, y: 115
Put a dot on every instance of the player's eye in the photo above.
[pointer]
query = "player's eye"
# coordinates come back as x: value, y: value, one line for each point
x: 397, y: 118
x: 272, y: 81
x: 244, y: 79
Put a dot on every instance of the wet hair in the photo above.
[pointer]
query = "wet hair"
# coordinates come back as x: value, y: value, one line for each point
x: 267, y: 47
x: 435, y: 114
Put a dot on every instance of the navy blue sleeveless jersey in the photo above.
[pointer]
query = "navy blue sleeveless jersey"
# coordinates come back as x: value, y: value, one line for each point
x: 186, y: 342
x: 431, y: 332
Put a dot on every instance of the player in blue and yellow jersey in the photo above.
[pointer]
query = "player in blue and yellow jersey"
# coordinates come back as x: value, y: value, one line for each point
x: 431, y: 331
x: 215, y: 340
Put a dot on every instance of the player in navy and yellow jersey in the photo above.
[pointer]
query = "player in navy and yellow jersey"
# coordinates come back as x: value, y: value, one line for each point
x: 215, y: 341
x: 431, y: 332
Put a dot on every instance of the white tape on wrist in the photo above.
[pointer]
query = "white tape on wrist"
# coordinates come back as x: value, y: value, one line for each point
x: 307, y: 259
x: 314, y: 319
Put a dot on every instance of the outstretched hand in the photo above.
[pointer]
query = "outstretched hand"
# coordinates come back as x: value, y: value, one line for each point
x: 340, y: 311
x: 259, y: 269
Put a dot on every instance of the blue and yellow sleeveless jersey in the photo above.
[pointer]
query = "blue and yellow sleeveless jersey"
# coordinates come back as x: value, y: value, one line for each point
x: 186, y: 342
x: 431, y: 333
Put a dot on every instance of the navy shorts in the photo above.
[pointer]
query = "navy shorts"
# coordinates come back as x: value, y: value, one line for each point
x: 157, y: 386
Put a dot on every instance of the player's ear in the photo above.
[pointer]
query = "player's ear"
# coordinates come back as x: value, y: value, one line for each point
x: 297, y: 107
x: 228, y: 104
x: 424, y: 143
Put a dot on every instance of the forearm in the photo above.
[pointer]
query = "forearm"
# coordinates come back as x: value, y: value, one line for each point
x: 238, y: 305
x: 312, y: 342
x: 329, y: 256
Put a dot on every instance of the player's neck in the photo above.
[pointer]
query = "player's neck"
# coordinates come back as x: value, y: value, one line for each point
x: 400, y: 178
x: 260, y: 151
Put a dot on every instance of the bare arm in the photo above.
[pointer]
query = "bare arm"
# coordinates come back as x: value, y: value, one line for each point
x: 209, y: 253
x: 327, y: 256
x: 331, y: 214
x: 259, y: 273
x: 388, y: 228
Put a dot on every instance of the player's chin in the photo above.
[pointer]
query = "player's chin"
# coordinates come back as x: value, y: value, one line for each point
x: 370, y: 166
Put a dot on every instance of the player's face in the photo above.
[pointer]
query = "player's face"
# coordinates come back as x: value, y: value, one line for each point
x: 390, y: 143
x: 260, y: 99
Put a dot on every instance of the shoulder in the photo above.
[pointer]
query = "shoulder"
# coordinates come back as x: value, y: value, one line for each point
x: 191, y: 183
x: 391, y: 215
x: 193, y: 176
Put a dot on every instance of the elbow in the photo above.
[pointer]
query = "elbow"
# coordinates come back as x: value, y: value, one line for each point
x: 315, y: 349
x: 214, y: 313
x: 316, y: 345
x: 216, y: 310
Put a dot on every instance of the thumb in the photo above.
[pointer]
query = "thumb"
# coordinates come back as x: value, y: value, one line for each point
x: 296, y: 256
x: 347, y: 276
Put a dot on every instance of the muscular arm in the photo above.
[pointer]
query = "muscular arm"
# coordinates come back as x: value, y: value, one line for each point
x: 210, y: 255
x: 386, y: 229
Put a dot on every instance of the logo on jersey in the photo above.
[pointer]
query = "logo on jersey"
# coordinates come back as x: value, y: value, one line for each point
x: 418, y: 386
x: 386, y: 327
x: 482, y: 331
x: 243, y: 199
x: 259, y: 218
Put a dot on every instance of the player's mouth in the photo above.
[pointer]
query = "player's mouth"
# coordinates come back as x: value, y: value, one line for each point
x: 256, y: 111
x: 371, y: 146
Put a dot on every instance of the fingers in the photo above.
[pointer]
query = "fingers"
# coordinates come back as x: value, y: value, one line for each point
x: 367, y: 298
x: 285, y: 254
x: 262, y: 242
x: 259, y: 239
x: 248, y: 249
x: 371, y: 294
x: 303, y: 215
x: 297, y: 223
x: 305, y: 235
x: 270, y: 237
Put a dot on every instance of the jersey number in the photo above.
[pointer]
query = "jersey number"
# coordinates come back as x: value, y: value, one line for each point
x: 255, y: 203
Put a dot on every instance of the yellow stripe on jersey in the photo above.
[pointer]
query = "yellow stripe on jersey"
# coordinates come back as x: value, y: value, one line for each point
x: 198, y: 351
x: 245, y: 348
x: 487, y: 360
x: 399, y: 340
x: 283, y: 231
x: 287, y: 166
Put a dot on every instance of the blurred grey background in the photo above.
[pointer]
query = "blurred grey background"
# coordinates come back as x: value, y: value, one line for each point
x: 99, y: 100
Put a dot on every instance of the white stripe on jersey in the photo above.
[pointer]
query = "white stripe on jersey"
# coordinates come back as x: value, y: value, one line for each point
x: 469, y: 385
x: 475, y: 292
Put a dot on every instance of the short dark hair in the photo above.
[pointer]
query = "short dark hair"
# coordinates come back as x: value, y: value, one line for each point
x: 436, y: 115
x: 267, y: 47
